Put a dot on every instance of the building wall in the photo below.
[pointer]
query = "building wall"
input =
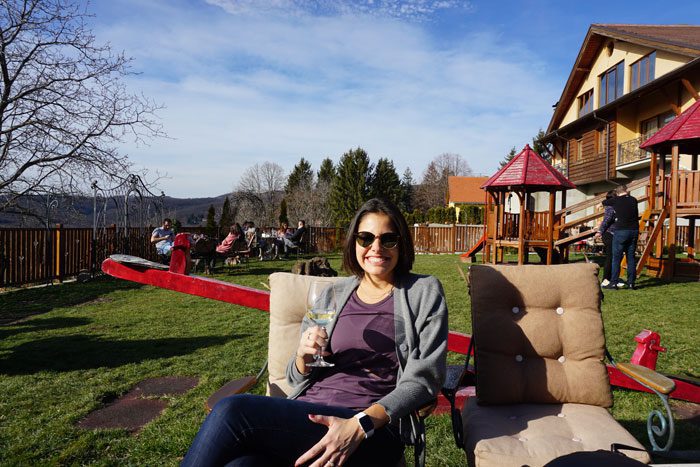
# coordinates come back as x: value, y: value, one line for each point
x: 587, y: 169
x: 630, y: 53
x: 589, y: 166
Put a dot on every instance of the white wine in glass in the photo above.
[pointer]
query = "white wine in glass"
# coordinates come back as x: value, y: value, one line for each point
x: 321, y: 315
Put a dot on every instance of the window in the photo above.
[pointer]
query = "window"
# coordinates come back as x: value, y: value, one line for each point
x: 585, y: 103
x: 611, y: 84
x: 654, y: 124
x: 600, y: 140
x: 579, y: 148
x: 642, y: 71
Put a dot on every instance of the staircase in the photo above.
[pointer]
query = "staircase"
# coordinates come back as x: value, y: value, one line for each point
x: 650, y: 226
x: 563, y: 232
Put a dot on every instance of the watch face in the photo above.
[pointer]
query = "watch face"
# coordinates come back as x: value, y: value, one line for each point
x: 366, y: 424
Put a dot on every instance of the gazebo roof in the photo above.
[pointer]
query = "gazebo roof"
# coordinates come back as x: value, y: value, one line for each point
x: 682, y: 129
x: 528, y: 170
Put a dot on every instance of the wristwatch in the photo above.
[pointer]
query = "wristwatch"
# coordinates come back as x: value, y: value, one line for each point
x: 366, y: 423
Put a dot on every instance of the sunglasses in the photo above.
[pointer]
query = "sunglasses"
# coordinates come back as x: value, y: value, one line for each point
x: 387, y: 240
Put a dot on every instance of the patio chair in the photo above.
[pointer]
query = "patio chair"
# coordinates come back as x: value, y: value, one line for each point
x: 301, y: 247
x: 542, y: 388
x: 287, y: 309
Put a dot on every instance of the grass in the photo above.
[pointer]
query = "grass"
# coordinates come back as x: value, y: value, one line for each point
x: 72, y: 347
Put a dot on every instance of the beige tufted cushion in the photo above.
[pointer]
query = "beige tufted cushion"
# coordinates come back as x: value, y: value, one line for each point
x: 287, y: 309
x: 538, y: 334
x: 534, y: 434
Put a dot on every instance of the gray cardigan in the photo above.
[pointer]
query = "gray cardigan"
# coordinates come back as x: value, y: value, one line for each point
x: 420, y: 318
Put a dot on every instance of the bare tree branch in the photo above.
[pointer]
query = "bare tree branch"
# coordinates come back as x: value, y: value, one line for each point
x: 264, y: 182
x: 63, y: 104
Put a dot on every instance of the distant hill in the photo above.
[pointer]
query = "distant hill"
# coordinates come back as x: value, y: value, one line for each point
x: 189, y: 210
x: 78, y: 212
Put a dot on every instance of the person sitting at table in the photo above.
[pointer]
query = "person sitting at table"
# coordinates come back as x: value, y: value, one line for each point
x: 280, y: 235
x: 292, y: 241
x: 163, y: 237
x: 388, y: 344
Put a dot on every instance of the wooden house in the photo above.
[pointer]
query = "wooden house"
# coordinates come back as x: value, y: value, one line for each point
x: 627, y: 83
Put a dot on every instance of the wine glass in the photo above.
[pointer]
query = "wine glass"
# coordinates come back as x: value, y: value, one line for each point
x: 321, y: 314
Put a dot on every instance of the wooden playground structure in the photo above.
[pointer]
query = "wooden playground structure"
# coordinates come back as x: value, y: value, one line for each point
x: 672, y: 195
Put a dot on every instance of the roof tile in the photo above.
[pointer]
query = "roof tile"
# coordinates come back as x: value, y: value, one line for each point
x: 466, y: 189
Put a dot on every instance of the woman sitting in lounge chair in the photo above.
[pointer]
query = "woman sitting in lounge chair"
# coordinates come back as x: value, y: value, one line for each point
x: 234, y: 241
x: 388, y: 345
x: 235, y: 233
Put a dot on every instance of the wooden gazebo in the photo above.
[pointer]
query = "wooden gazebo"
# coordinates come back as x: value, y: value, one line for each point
x: 526, y: 173
x: 674, y: 193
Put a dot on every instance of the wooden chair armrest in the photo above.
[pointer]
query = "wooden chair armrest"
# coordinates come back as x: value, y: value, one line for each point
x: 648, y: 377
x: 237, y: 386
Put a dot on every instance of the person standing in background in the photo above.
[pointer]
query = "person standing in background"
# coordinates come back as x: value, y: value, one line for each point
x: 606, y: 231
x: 625, y: 239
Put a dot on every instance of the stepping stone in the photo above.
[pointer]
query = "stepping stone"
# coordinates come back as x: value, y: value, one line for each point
x: 128, y: 414
x: 166, y: 386
x: 139, y: 406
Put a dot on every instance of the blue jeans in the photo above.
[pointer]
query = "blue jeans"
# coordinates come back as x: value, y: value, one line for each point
x: 250, y: 430
x: 289, y: 245
x: 164, y: 248
x: 624, y: 241
x: 608, y: 249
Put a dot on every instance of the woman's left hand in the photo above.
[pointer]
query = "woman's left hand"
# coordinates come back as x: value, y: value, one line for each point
x: 343, y: 437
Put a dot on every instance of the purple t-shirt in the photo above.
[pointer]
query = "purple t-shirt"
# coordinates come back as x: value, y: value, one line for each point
x: 363, y: 347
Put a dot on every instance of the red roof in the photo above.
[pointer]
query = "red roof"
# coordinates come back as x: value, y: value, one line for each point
x: 529, y: 170
x: 465, y: 190
x: 684, y: 127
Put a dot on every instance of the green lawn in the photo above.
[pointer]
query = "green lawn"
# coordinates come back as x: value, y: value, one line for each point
x: 78, y: 345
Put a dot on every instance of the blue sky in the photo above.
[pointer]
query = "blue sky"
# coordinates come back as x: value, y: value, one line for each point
x: 249, y: 81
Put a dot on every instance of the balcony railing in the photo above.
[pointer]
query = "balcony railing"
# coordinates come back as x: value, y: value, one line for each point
x: 629, y: 151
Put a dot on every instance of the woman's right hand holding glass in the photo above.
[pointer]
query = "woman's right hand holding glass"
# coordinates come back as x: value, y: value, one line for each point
x: 312, y: 340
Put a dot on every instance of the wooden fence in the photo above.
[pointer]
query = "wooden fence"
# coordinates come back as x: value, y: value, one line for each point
x: 45, y: 255
x: 39, y: 255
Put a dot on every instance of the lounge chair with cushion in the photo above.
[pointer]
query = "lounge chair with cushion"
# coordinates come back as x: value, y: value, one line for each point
x: 542, y: 388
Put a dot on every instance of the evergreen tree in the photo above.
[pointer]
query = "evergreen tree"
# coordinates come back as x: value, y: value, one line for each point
x: 508, y: 158
x: 385, y: 182
x: 225, y: 220
x: 283, y: 211
x: 407, y: 190
x: 327, y: 171
x: 211, y: 227
x: 301, y: 177
x: 430, y: 192
x: 539, y: 147
x: 350, y: 187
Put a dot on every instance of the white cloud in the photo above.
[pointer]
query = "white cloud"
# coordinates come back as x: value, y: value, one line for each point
x: 405, y: 9
x: 242, y: 88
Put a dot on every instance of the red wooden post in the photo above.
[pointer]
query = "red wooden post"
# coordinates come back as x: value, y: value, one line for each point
x: 180, y: 257
x: 648, y: 349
